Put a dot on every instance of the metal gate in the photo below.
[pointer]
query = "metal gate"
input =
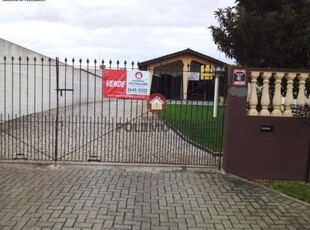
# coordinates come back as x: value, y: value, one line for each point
x: 54, y: 111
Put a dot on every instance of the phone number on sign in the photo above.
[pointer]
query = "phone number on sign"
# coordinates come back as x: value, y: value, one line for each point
x: 137, y: 90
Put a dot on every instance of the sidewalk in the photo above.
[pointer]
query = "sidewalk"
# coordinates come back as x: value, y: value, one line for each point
x: 106, y: 197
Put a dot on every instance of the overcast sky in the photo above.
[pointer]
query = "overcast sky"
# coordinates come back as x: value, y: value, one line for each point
x: 133, y: 30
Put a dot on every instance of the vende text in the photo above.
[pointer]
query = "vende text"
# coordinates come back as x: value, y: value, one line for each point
x: 112, y: 83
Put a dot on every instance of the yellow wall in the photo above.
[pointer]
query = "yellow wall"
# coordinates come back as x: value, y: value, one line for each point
x: 187, y: 60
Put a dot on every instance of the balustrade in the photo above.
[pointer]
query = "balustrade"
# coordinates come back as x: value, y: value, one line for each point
x: 262, y: 104
x: 253, y: 96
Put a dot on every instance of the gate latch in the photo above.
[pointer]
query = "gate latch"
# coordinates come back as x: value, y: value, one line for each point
x: 61, y: 90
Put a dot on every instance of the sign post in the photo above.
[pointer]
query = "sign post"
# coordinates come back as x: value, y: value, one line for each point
x: 218, y: 71
x: 216, y: 96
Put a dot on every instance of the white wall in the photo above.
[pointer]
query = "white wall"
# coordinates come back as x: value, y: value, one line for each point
x: 30, y: 87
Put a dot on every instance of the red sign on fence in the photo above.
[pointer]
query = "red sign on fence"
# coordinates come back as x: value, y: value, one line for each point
x: 127, y: 84
x: 114, y: 83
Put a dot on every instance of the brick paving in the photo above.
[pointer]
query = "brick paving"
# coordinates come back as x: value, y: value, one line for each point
x: 104, y: 197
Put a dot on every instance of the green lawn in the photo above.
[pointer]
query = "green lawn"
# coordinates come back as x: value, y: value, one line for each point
x: 296, y: 189
x: 196, y: 122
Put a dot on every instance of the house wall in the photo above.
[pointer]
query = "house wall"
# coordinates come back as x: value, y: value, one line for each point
x: 251, y: 153
x: 186, y: 60
x: 28, y: 87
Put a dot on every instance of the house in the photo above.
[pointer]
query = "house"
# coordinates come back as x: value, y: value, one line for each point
x: 170, y: 75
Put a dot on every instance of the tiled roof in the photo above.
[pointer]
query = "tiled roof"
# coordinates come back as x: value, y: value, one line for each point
x: 183, y: 52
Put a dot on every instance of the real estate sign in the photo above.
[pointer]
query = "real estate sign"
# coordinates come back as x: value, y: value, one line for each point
x: 127, y: 84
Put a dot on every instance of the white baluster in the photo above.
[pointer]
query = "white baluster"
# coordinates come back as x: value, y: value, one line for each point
x: 277, y: 95
x: 289, y: 95
x: 308, y: 98
x: 253, y: 96
x: 301, y: 98
x: 265, y: 101
x: 308, y: 101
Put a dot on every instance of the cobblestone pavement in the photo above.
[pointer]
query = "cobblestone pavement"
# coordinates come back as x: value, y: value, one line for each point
x: 104, y: 197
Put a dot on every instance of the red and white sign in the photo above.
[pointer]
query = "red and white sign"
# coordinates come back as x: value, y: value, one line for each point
x: 239, y: 76
x: 127, y: 84
x: 157, y: 102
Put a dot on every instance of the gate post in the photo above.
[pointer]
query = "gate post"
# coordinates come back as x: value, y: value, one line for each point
x: 57, y: 110
x: 261, y: 147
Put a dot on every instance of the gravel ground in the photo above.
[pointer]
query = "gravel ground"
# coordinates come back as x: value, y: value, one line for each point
x: 108, y: 131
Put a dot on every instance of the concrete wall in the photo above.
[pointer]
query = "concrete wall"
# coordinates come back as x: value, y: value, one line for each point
x: 248, y: 152
x: 28, y: 87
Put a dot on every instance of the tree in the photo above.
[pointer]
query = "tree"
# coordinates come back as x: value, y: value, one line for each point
x: 265, y: 33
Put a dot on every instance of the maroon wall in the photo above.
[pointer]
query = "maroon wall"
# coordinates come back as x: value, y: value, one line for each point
x: 248, y: 152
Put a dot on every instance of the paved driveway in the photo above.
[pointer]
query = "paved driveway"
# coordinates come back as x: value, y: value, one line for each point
x: 112, y: 131
x: 102, y: 197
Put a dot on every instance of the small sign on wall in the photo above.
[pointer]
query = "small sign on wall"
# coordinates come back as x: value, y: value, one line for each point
x: 193, y: 76
x: 206, y: 72
x: 239, y: 76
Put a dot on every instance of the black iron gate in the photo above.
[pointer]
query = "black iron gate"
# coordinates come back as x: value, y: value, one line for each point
x: 53, y: 111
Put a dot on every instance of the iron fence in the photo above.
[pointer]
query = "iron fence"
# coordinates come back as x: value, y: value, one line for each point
x: 54, y: 111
